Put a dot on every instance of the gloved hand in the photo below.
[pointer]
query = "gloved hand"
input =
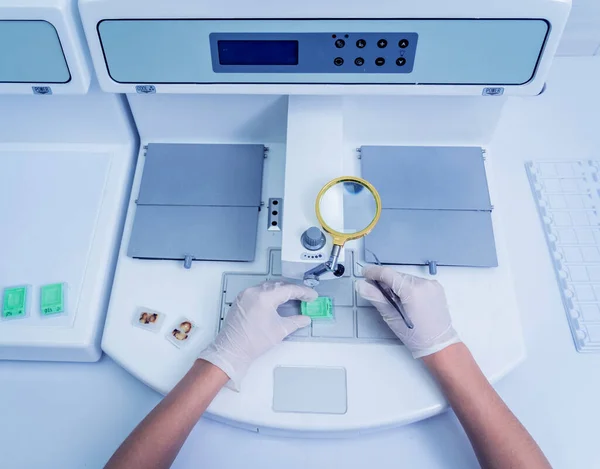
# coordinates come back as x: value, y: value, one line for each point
x: 425, y: 303
x: 253, y: 326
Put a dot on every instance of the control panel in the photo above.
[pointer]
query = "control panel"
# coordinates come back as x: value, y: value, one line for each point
x: 313, y: 52
x: 489, y: 52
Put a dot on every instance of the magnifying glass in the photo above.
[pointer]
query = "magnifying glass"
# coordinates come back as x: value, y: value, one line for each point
x: 347, y: 208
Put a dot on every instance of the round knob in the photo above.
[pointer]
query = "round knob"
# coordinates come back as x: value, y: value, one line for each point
x: 313, y: 239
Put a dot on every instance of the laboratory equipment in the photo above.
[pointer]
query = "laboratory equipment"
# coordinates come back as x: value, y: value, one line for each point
x: 43, y: 49
x: 321, y: 308
x: 347, y: 208
x: 566, y: 196
x: 313, y: 239
x: 313, y: 87
x: 436, y: 206
x: 53, y: 299
x: 198, y: 202
x: 66, y: 158
x: 148, y: 319
x: 355, y: 320
x: 15, y: 302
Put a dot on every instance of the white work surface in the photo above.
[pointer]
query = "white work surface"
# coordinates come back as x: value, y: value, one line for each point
x: 399, y: 390
x: 74, y: 415
x: 63, y: 185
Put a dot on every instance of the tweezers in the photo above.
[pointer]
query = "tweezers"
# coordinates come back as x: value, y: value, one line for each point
x: 391, y: 296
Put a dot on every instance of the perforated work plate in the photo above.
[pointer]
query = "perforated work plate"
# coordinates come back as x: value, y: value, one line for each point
x: 567, y: 198
x: 354, y: 318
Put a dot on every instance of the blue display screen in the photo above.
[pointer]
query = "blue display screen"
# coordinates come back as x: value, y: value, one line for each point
x: 258, y: 52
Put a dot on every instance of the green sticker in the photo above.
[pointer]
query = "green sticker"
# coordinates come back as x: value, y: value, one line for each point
x: 14, y: 304
x: 52, y: 299
x: 321, y: 308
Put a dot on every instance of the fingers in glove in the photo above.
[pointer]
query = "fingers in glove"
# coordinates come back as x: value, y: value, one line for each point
x: 280, y: 292
x: 371, y: 293
x: 395, y: 280
x: 293, y: 323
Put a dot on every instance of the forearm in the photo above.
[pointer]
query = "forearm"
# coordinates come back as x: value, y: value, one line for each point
x: 497, y: 436
x: 155, y: 442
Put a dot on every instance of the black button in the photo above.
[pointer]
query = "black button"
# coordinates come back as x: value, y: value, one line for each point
x: 403, y: 43
x: 379, y: 61
x: 340, y: 43
x: 361, y: 43
x: 400, y: 61
x: 338, y: 61
x: 381, y: 43
x: 359, y: 61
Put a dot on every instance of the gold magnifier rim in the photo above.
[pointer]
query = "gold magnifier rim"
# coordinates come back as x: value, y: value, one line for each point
x: 339, y: 239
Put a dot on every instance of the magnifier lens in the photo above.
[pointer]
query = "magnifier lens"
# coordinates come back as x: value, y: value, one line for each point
x: 348, y: 207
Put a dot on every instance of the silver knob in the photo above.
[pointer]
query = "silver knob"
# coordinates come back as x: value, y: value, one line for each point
x: 313, y: 239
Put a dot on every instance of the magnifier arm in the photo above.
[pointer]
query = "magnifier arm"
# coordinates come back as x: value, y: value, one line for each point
x: 312, y: 276
x: 334, y: 256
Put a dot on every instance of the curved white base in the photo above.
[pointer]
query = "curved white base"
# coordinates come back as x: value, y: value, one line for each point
x: 386, y: 386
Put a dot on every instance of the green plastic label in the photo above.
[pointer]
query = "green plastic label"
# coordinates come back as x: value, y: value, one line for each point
x: 14, y: 304
x: 52, y: 299
x: 321, y: 308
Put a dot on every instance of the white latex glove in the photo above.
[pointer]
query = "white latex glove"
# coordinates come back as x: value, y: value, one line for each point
x: 424, y: 302
x: 253, y: 326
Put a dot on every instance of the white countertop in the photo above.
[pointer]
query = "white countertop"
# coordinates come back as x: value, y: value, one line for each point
x: 75, y: 415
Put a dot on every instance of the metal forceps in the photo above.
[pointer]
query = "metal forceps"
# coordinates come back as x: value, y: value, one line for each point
x: 391, y: 296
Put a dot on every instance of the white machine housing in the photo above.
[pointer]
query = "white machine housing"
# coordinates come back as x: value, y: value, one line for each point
x: 312, y: 147
x: 311, y: 138
x: 62, y: 16
x: 66, y: 159
x: 315, y: 133
x: 96, y: 14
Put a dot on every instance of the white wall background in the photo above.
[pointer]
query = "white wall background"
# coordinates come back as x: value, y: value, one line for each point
x: 582, y: 34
